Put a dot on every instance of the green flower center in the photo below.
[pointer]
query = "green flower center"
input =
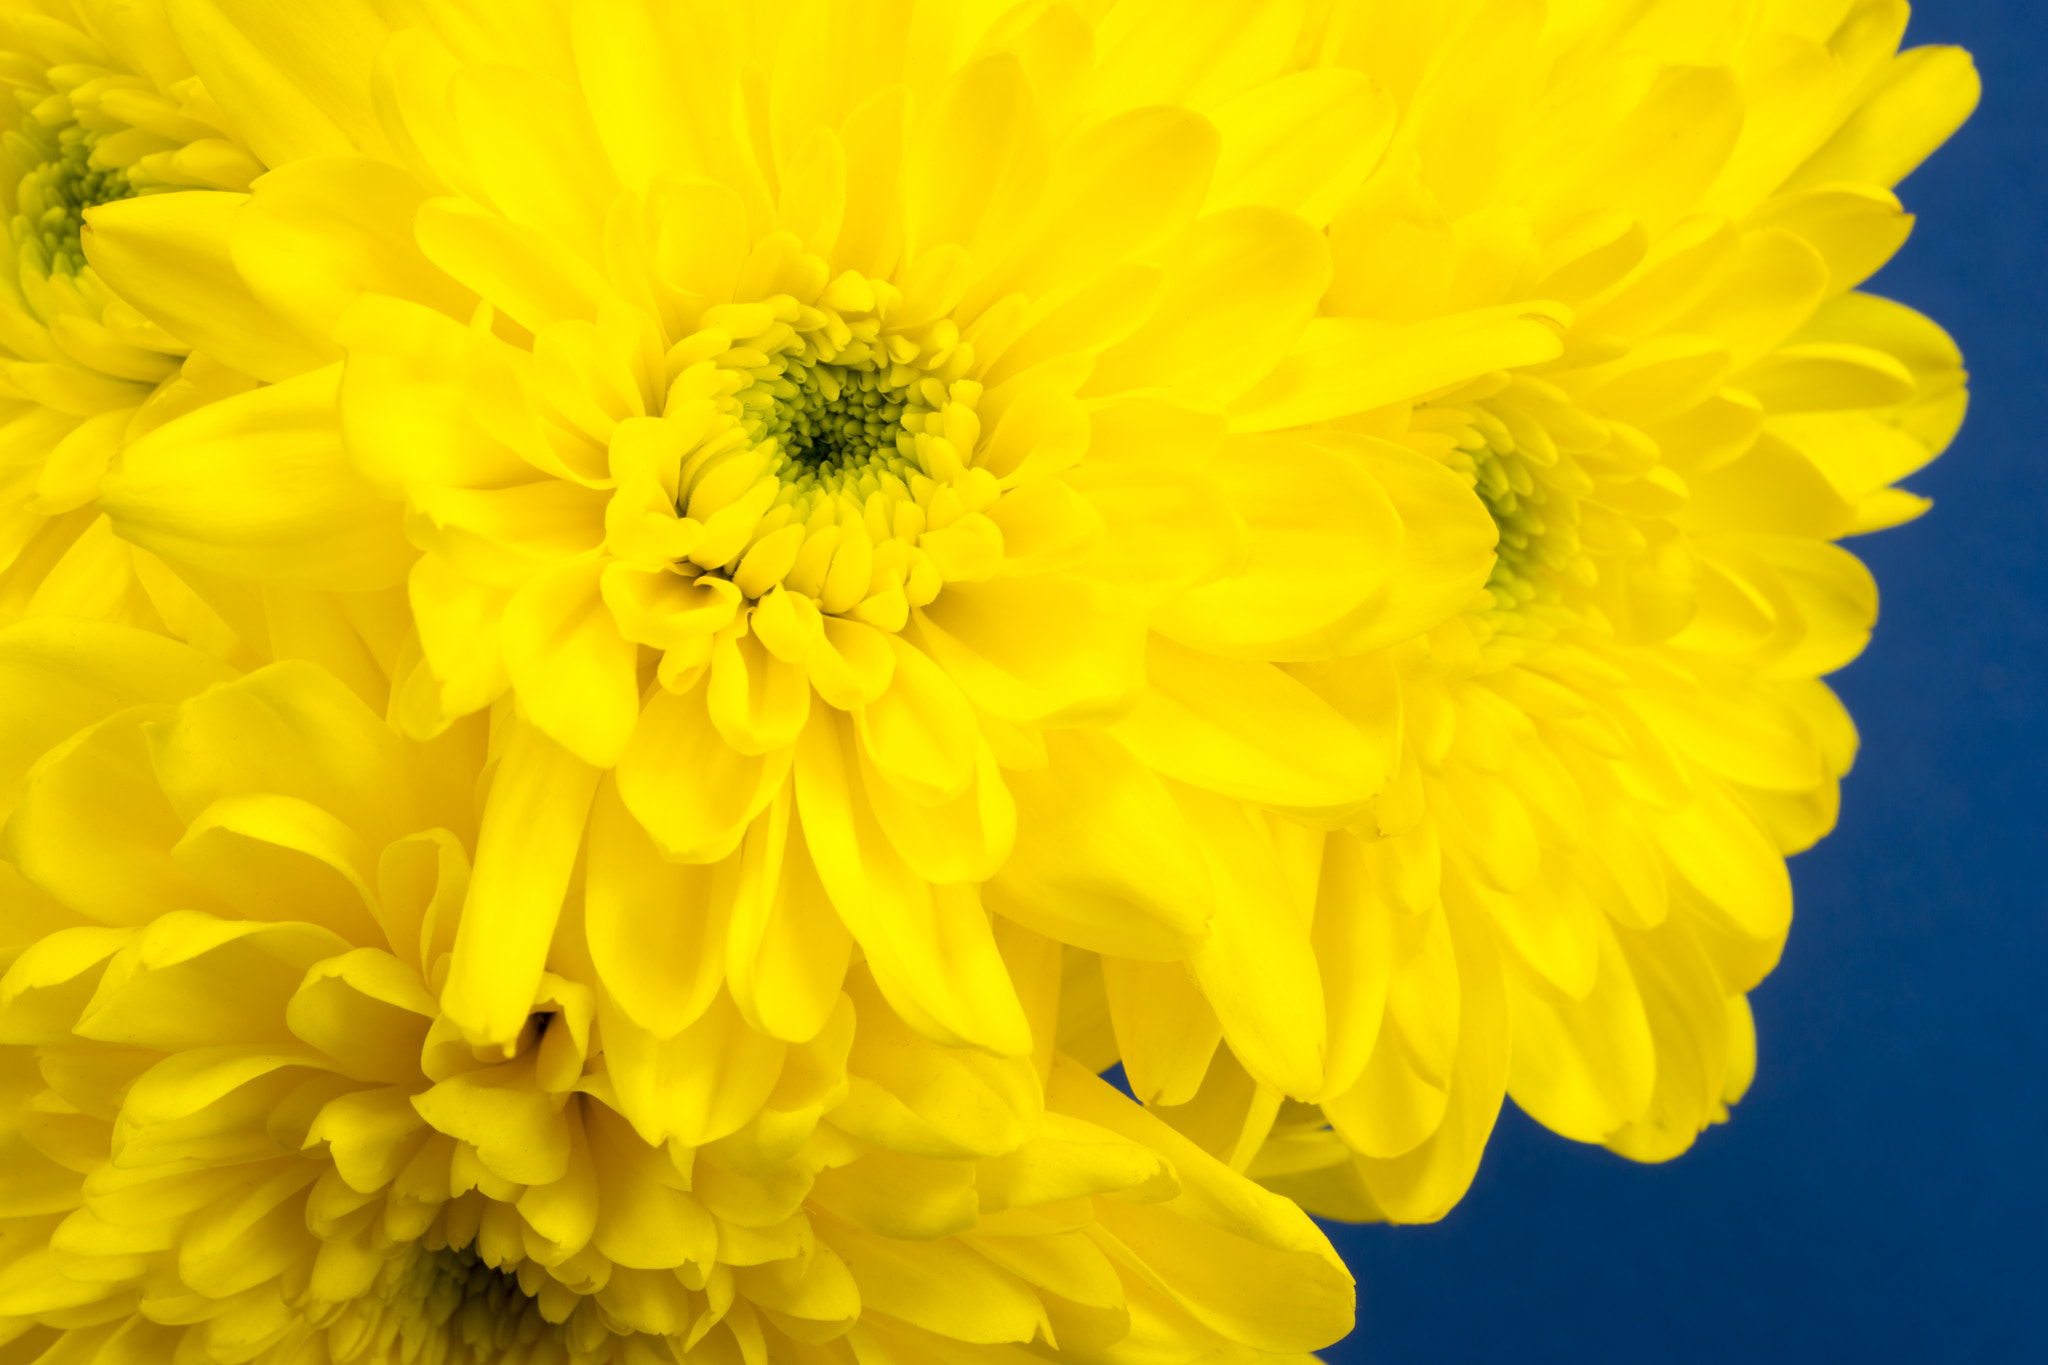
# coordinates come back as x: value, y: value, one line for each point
x: 1515, y: 501
x: 834, y: 419
x: 1538, y: 553
x: 51, y: 203
x: 446, y: 1306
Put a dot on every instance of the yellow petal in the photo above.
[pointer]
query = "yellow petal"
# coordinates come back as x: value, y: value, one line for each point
x: 532, y: 826
x: 1129, y: 181
x: 94, y: 831
x: 930, y: 947
x: 694, y: 793
x: 1243, y: 1261
x: 318, y: 234
x: 900, y: 1196
x: 511, y: 266
x: 170, y: 255
x: 1241, y: 286
x: 1164, y: 530
x: 1320, y: 537
x: 260, y: 487
x: 1690, y: 1022
x: 1583, y: 1068
x: 294, y: 85
x: 1920, y: 99
x: 1346, y: 365
x: 920, y: 734
x: 910, y: 1094
x: 982, y: 1305
x: 458, y: 622
x: 1257, y: 966
x: 698, y: 1086
x: 757, y: 701
x: 977, y: 166
x: 656, y: 929
x: 1422, y: 1185
x: 403, y: 415
x: 786, y: 948
x: 1353, y: 934
x: 1104, y: 859
x: 1249, y: 731
x: 279, y: 858
x: 368, y: 1011
x: 1166, y: 1032
x: 1279, y: 139
x: 517, y: 1129
x: 663, y: 87
x: 962, y: 839
x: 574, y: 672
x: 1156, y: 52
x: 292, y: 730
x: 1034, y: 650
x: 1719, y: 850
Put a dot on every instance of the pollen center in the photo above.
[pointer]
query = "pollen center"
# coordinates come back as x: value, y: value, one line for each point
x: 446, y: 1306
x: 1538, y: 554
x: 827, y: 455
x: 53, y: 198
x: 836, y: 420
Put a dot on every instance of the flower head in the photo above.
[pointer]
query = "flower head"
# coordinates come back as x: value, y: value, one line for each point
x: 240, y: 1127
x: 810, y: 475
x: 1597, y: 767
x: 1323, y: 511
x: 103, y: 107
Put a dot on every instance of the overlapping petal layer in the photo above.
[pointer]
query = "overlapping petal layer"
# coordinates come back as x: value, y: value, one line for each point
x: 849, y: 548
x: 239, y: 1126
x: 104, y: 107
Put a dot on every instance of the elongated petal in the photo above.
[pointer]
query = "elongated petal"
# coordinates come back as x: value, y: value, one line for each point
x: 1347, y: 365
x: 786, y: 947
x: 930, y: 947
x: 573, y: 669
x: 526, y: 850
x: 694, y: 792
x: 171, y: 255
x: 317, y: 235
x: 1214, y: 723
x: 1037, y: 650
x: 1320, y: 537
x: 656, y: 929
x: 68, y: 674
x: 297, y: 84
x: 260, y: 487
x: 88, y: 797
x: 1104, y: 859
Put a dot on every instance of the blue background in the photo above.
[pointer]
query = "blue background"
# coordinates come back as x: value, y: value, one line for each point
x: 1880, y: 1194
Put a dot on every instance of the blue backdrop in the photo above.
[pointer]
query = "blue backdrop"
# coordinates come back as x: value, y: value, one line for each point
x: 1880, y: 1194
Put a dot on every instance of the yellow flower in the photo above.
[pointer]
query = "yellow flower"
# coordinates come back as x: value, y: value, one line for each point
x: 237, y: 1126
x: 1321, y: 510
x: 1575, y: 870
x: 815, y: 471
x: 104, y: 107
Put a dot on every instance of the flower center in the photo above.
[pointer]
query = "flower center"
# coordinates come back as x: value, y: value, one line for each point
x: 446, y: 1306
x: 51, y: 203
x: 1539, y: 553
x: 832, y: 420
x: 825, y: 453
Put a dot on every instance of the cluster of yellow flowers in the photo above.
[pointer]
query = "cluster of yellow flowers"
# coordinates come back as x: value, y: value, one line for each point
x: 636, y: 634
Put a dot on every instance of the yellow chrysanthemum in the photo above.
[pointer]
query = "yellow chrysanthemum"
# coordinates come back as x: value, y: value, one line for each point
x: 1575, y: 870
x: 103, y: 107
x: 238, y: 1127
x: 822, y: 473
x: 1322, y: 510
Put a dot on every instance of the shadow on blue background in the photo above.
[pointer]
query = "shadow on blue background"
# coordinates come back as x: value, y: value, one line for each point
x: 1881, y: 1193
